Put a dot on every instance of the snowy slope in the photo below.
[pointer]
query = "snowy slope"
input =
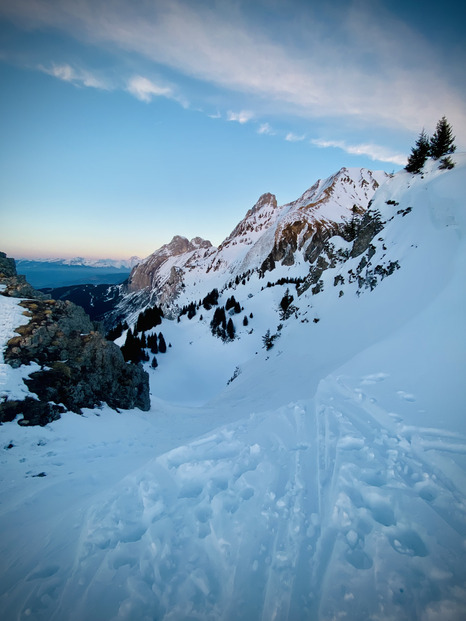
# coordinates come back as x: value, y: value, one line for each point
x: 327, y: 480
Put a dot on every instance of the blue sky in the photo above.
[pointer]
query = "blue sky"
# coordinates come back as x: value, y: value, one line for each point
x: 124, y: 123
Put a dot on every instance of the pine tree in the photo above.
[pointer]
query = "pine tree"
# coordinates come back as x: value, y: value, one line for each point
x: 152, y: 343
x: 230, y: 330
x: 419, y: 154
x: 268, y: 340
x: 245, y: 321
x: 154, y: 363
x: 285, y: 305
x: 218, y: 323
x: 442, y: 141
x: 162, y: 344
x: 191, y: 310
x: 131, y: 350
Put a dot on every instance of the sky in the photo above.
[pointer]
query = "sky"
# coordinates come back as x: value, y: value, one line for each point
x: 125, y: 123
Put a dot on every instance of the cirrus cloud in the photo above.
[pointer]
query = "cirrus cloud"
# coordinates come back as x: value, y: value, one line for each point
x: 373, y: 151
x: 145, y: 90
x: 78, y: 77
x: 291, y: 137
x: 240, y: 117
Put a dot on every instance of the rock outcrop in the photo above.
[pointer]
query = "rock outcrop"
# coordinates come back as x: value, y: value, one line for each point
x: 144, y: 275
x: 16, y: 285
x: 79, y: 367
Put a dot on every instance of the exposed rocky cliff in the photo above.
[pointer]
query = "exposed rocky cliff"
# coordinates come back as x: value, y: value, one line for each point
x: 145, y: 275
x: 79, y: 367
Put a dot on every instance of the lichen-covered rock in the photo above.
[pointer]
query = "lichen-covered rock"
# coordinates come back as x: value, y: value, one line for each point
x: 99, y: 375
x: 34, y: 412
x: 80, y: 368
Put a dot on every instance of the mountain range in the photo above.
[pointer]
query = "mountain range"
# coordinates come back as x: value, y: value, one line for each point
x: 82, y: 262
x: 53, y: 273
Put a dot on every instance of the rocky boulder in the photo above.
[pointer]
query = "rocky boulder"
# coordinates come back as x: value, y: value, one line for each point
x: 79, y: 367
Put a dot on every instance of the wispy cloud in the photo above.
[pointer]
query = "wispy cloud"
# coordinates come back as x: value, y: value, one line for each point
x: 363, y: 65
x: 145, y: 90
x: 373, y: 151
x: 291, y: 137
x: 265, y: 128
x: 78, y: 77
x: 240, y: 117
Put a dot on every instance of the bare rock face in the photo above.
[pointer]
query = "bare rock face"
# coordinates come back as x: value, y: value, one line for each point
x: 256, y: 220
x: 16, y: 285
x: 318, y: 214
x: 80, y: 368
x: 144, y: 275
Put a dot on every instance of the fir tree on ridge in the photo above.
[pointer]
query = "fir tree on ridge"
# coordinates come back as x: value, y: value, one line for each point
x: 442, y: 142
x: 419, y: 154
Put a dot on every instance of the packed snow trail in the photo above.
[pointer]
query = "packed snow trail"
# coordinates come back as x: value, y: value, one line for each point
x: 304, y: 512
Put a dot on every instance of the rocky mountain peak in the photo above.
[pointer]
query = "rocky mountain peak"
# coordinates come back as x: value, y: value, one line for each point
x: 256, y: 220
x: 145, y: 274
x: 266, y: 200
x: 198, y: 242
x: 268, y: 234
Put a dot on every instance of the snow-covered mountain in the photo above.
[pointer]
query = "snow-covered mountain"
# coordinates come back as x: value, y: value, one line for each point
x: 316, y: 473
x: 268, y: 234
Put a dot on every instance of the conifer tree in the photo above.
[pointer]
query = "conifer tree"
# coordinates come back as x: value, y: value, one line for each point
x: 419, y: 154
x: 132, y: 350
x: 442, y: 142
x: 285, y: 305
x: 162, y: 344
x: 218, y: 323
x: 152, y: 343
x: 154, y: 363
x: 230, y: 330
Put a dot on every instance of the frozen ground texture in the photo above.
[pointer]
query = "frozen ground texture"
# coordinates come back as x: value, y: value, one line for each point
x: 326, y: 481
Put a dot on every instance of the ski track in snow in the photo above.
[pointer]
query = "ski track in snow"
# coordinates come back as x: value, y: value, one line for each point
x: 320, y: 507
